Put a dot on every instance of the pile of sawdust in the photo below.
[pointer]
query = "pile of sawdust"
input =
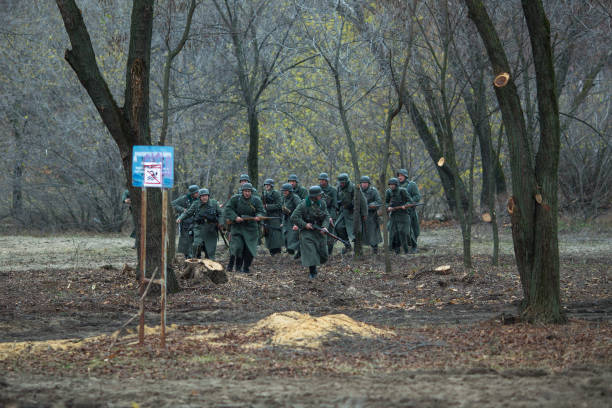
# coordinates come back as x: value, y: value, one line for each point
x: 302, y: 330
x: 12, y: 348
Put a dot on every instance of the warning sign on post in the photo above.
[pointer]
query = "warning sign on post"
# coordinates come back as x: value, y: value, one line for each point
x: 153, y: 166
x: 152, y: 174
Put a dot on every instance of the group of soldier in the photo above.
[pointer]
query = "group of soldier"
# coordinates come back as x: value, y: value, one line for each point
x: 303, y: 221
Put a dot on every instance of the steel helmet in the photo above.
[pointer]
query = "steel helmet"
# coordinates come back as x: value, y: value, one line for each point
x: 315, y: 191
x: 246, y: 186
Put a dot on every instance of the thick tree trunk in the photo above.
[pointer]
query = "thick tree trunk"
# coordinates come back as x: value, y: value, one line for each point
x: 533, y: 206
x: 545, y: 302
x: 253, y: 155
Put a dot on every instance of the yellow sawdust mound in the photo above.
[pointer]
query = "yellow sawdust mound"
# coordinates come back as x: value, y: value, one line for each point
x: 8, y: 349
x: 302, y: 330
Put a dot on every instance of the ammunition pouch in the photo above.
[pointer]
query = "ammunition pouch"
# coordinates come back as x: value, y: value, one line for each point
x: 211, y: 215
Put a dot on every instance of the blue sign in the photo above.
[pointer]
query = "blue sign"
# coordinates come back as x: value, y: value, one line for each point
x: 146, y: 161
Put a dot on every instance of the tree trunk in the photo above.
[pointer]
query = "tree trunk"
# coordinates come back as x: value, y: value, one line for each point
x: 17, y: 176
x: 357, y: 221
x: 476, y: 104
x: 444, y: 172
x: 253, y: 155
x: 391, y: 114
x: 533, y: 207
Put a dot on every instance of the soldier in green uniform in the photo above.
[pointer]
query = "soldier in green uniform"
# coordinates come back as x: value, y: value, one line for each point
x: 125, y: 199
x: 205, y: 213
x: 244, y: 178
x: 413, y: 192
x: 181, y: 205
x: 243, y: 242
x: 312, y: 219
x: 289, y: 204
x: 344, y: 224
x: 272, y: 202
x: 297, y: 189
x: 396, y: 199
x: 371, y: 235
x: 330, y: 195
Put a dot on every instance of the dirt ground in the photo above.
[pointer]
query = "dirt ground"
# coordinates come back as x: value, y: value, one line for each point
x: 442, y: 341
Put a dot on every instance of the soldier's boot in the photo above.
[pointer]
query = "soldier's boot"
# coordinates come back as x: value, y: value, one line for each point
x: 347, y: 248
x: 313, y: 272
x: 239, y: 261
x: 297, y: 255
x: 290, y: 251
x: 375, y: 249
x: 330, y: 249
x: 247, y: 259
x: 230, y: 264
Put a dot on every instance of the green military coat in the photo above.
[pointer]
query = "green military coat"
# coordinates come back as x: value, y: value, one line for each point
x: 371, y: 234
x: 205, y: 227
x: 301, y: 191
x: 125, y: 196
x: 345, y: 217
x: 330, y: 196
x: 289, y: 204
x: 415, y: 197
x: 399, y: 220
x: 181, y: 205
x: 273, y: 202
x: 313, y: 244
x: 244, y: 234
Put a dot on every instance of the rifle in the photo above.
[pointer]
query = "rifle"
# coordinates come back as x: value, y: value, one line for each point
x: 399, y: 207
x: 223, y: 236
x: 248, y: 218
x: 337, y: 238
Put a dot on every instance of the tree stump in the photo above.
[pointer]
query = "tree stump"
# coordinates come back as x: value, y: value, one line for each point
x: 198, y: 269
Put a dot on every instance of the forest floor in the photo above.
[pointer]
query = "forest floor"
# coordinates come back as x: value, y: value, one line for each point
x: 411, y: 337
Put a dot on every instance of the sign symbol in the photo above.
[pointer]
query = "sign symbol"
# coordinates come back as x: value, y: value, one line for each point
x: 152, y: 174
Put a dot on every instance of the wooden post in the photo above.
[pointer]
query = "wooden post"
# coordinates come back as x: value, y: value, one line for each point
x: 143, y: 260
x: 164, y: 239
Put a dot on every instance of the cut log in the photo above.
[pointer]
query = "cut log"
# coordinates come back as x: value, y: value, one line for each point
x: 486, y: 217
x: 198, y: 269
x: 501, y: 80
x: 443, y: 270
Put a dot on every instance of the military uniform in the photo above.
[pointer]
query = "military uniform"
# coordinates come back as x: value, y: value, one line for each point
x: 399, y: 220
x: 272, y: 202
x: 330, y: 196
x: 313, y: 244
x: 206, y: 224
x: 415, y: 197
x: 181, y: 205
x: 289, y: 204
x: 344, y: 224
x: 243, y: 242
x: 372, y: 235
x: 298, y: 190
x: 126, y: 196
